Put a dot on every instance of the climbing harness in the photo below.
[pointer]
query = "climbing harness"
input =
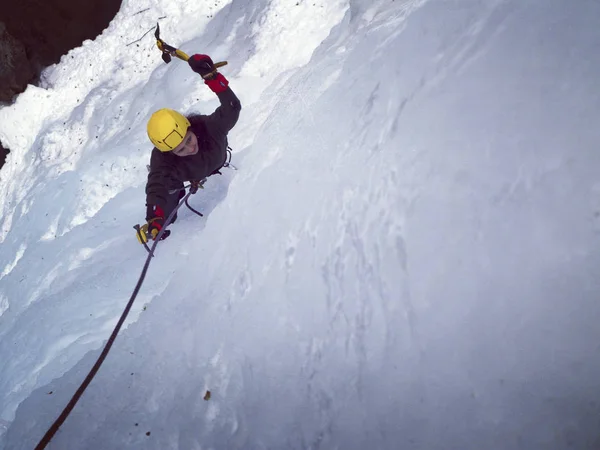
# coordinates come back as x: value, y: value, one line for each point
x: 193, y: 186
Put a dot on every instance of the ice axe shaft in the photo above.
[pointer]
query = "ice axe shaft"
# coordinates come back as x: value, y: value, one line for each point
x: 169, y: 51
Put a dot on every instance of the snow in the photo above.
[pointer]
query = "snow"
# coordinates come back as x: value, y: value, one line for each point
x: 407, y: 257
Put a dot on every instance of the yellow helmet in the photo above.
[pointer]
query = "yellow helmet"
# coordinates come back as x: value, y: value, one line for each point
x: 167, y: 128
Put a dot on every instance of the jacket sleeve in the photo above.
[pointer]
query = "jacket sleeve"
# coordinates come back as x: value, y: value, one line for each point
x: 157, y: 184
x: 226, y: 115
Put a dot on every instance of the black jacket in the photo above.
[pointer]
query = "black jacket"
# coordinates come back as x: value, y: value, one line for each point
x: 168, y: 171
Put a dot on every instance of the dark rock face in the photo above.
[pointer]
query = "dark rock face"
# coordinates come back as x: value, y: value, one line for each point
x: 36, y: 33
x: 15, y: 69
x: 3, y: 153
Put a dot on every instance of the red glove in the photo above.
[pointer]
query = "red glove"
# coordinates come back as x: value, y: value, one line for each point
x: 218, y: 84
x: 203, y: 65
x: 155, y: 217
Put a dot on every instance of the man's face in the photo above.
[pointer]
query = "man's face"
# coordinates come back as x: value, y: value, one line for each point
x: 189, y: 145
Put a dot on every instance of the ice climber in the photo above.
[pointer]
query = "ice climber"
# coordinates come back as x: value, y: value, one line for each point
x: 187, y: 149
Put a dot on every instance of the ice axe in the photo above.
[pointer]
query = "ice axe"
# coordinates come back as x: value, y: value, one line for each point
x: 168, y: 51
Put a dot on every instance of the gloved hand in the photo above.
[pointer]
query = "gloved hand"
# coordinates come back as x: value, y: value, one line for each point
x: 203, y: 65
x: 155, y: 222
x: 150, y: 230
x: 155, y: 225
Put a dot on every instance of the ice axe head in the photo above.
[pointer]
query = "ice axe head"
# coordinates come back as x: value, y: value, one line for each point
x: 166, y: 49
x: 157, y: 32
x: 166, y: 57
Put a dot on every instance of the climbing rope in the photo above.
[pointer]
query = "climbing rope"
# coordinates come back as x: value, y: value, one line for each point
x: 90, y: 376
x: 193, y: 188
x: 192, y: 209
